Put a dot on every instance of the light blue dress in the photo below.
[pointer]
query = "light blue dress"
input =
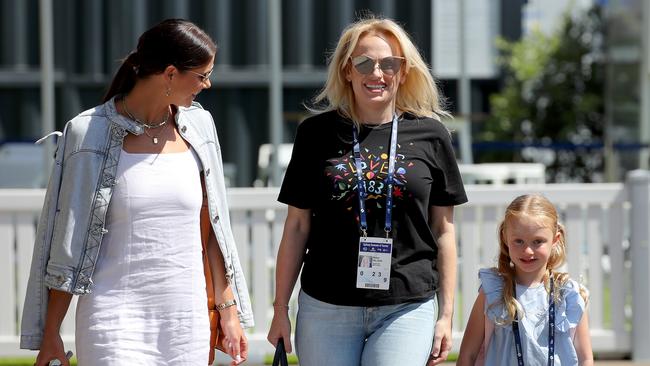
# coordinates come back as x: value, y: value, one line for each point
x: 500, y: 346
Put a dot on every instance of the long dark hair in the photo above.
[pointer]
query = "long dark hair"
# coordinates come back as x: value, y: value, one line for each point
x: 174, y: 42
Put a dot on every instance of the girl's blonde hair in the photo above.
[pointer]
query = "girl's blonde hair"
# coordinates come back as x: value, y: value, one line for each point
x: 418, y: 94
x: 537, y: 207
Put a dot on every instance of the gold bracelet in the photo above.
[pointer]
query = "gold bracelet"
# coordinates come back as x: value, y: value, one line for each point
x: 226, y: 304
x: 275, y: 305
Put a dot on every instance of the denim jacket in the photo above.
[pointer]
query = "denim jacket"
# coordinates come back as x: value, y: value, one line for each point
x: 71, y: 225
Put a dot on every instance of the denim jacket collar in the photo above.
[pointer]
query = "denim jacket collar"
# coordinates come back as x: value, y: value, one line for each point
x: 124, y: 122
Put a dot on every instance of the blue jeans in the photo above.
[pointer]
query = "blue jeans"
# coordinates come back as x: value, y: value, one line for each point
x: 387, y: 335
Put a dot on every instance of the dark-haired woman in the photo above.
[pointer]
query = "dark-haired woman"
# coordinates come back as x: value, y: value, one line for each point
x: 121, y: 219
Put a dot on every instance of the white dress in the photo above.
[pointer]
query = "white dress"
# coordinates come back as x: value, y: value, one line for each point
x: 149, y: 303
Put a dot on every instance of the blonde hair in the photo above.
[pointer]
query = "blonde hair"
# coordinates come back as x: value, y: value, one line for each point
x: 540, y: 208
x: 418, y: 94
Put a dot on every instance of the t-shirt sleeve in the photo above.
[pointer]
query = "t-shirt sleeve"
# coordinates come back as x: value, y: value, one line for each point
x: 447, y: 189
x: 302, y: 171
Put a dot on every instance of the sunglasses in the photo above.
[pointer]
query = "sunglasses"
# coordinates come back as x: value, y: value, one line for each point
x: 202, y: 77
x: 388, y: 65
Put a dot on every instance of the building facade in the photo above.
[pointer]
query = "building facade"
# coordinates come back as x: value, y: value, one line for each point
x: 91, y: 36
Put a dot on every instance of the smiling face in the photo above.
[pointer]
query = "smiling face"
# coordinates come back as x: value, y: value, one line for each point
x: 189, y: 83
x: 530, y: 244
x: 375, y: 92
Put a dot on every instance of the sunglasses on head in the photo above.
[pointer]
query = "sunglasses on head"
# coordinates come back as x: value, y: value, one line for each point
x: 388, y: 65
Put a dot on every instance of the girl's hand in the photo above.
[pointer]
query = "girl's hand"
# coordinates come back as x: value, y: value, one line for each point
x: 441, y: 342
x: 51, y: 349
x: 235, y: 342
x: 280, y: 328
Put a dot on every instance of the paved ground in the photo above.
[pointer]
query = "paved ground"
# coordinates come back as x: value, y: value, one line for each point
x: 598, y: 362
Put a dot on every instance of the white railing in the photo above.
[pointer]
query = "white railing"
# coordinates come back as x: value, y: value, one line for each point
x: 596, y: 217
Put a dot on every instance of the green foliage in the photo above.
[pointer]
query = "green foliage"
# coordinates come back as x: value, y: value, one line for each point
x: 527, y: 58
x: 26, y: 361
x: 552, y: 93
x: 16, y: 362
x: 292, y: 358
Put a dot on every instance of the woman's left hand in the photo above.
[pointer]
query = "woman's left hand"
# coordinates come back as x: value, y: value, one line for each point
x: 441, y: 342
x: 235, y: 342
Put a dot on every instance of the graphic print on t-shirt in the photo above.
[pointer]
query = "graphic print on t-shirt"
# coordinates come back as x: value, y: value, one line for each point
x: 341, y: 172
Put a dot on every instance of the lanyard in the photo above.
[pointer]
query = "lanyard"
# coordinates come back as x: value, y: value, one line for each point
x: 361, y: 184
x: 551, y: 327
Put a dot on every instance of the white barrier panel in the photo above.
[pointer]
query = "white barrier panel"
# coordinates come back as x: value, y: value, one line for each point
x: 596, y: 217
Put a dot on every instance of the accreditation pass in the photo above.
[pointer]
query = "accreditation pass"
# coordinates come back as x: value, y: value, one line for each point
x: 373, y: 269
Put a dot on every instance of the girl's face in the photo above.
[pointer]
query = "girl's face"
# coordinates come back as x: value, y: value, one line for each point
x: 529, y: 245
x: 190, y: 83
x: 375, y: 88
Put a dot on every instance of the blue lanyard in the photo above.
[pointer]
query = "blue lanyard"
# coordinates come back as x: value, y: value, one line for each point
x: 361, y: 184
x: 551, y: 327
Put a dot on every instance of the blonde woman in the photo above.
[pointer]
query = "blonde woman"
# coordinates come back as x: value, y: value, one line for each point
x: 378, y: 143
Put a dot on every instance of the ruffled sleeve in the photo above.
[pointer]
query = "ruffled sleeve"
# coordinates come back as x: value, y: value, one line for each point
x: 570, y: 310
x: 492, y: 285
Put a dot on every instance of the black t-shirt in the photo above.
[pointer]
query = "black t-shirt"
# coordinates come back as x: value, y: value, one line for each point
x: 321, y: 177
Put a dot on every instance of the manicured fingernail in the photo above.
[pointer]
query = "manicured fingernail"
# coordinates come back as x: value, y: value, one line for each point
x: 238, y: 358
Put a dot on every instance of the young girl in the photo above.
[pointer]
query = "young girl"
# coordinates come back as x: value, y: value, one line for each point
x: 518, y: 300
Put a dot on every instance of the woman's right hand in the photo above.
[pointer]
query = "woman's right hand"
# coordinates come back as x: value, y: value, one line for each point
x: 280, y: 328
x: 51, y: 349
x: 289, y: 261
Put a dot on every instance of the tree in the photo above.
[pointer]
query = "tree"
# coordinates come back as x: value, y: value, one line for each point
x: 552, y: 100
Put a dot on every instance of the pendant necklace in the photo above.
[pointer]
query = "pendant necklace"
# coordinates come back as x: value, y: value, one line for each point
x: 154, y: 138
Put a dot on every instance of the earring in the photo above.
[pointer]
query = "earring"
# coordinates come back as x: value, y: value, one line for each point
x: 168, y: 92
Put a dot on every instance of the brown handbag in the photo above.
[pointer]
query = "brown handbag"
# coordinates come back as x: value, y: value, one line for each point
x: 216, y: 334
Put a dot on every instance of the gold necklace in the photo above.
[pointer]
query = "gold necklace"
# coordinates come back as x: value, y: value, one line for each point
x: 145, y: 125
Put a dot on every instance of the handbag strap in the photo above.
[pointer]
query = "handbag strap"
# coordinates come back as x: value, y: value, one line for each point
x: 213, y: 313
x: 205, y: 237
x: 280, y: 357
